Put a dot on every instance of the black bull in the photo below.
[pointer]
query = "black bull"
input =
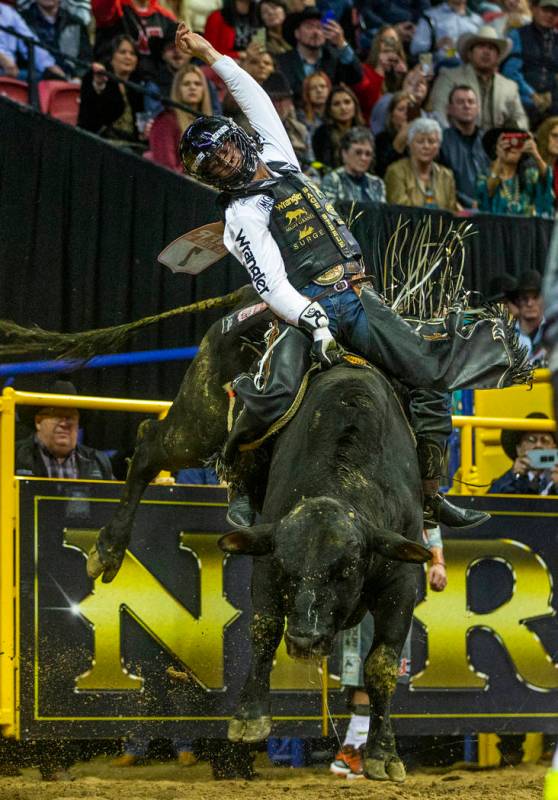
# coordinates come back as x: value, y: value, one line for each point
x: 342, y: 522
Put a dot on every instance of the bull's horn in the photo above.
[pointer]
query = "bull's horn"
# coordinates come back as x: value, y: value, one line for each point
x: 254, y: 541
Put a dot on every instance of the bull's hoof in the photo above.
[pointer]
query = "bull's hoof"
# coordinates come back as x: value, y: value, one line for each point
x: 257, y: 730
x: 375, y: 769
x: 107, y: 567
x: 235, y: 731
x: 249, y: 731
x: 396, y: 770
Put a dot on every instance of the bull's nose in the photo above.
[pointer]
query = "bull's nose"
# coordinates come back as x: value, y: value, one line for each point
x: 301, y: 646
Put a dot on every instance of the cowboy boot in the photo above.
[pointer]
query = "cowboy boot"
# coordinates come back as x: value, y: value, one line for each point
x: 437, y: 508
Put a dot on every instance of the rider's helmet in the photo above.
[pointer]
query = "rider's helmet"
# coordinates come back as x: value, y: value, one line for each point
x: 199, y: 148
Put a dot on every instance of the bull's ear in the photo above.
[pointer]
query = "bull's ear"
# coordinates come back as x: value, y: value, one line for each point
x: 254, y: 541
x: 393, y: 545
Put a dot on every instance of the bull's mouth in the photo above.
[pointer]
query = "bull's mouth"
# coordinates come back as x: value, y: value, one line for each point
x: 304, y: 650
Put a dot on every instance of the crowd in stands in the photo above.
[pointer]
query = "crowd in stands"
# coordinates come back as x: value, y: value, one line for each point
x: 453, y: 105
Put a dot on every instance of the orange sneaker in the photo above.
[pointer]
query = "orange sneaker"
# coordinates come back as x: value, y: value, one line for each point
x: 348, y: 761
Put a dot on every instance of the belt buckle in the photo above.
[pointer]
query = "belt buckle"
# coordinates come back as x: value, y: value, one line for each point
x: 341, y: 285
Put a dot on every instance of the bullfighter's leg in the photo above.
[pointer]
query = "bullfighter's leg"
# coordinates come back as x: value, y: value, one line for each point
x: 282, y: 374
x: 252, y: 720
x: 393, y: 614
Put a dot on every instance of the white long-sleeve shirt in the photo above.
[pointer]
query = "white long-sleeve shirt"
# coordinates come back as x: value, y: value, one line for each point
x: 247, y: 235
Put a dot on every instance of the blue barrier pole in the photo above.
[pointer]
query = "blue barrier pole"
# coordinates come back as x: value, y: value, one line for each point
x: 111, y: 360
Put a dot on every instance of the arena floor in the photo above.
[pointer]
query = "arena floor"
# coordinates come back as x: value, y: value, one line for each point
x: 98, y: 780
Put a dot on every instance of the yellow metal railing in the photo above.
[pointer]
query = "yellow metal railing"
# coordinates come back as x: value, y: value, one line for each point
x: 9, y: 545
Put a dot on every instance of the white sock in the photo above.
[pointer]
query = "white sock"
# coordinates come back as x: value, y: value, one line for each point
x: 357, y: 732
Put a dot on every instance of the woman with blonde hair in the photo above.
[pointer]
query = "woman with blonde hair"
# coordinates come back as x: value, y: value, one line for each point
x: 190, y: 88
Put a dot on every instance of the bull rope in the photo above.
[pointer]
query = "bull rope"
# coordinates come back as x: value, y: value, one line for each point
x: 86, y: 344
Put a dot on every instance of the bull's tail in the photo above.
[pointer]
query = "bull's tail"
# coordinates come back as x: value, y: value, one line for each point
x: 19, y: 340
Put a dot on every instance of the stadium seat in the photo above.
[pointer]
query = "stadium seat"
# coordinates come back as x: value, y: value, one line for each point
x: 60, y: 99
x: 14, y: 89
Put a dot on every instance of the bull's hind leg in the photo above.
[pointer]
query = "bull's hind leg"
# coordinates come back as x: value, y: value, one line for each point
x: 148, y: 460
x: 252, y: 720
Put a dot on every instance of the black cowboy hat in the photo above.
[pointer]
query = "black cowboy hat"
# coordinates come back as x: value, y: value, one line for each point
x: 277, y: 86
x: 529, y: 281
x: 44, y: 385
x: 510, y: 439
x: 490, y: 138
x: 501, y: 287
x: 294, y: 21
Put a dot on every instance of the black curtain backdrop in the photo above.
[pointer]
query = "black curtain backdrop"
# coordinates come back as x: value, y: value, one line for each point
x: 82, y: 223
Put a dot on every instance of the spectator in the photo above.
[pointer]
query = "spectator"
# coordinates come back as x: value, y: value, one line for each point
x: 384, y: 70
x: 11, y: 48
x: 418, y: 181
x: 272, y: 15
x: 482, y: 53
x: 391, y: 144
x: 55, y: 27
x: 514, y: 185
x: 533, y: 63
x: 522, y: 477
x: 439, y: 30
x: 415, y: 84
x: 342, y: 112
x: 282, y: 97
x: 148, y: 23
x: 547, y: 143
x: 317, y: 48
x: 189, y: 87
x: 315, y: 91
x: 111, y: 109
x: 403, y: 15
x: 352, y: 181
x: 231, y: 28
x: 79, y: 9
x: 526, y: 296
x: 53, y: 450
x: 462, y: 149
x: 505, y: 15
x: 196, y: 12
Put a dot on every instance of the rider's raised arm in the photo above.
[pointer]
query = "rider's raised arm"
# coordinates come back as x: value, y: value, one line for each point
x: 256, y: 104
x: 249, y: 95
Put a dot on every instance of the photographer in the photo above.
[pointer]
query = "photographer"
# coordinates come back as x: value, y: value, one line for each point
x: 525, y: 477
x: 519, y: 180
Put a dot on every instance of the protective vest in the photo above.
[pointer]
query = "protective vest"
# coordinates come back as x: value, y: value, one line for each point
x: 539, y: 51
x: 310, y: 234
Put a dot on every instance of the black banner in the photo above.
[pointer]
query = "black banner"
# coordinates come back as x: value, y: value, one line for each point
x: 94, y: 658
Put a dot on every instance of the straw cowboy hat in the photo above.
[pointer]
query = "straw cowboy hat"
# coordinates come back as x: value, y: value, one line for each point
x: 484, y: 34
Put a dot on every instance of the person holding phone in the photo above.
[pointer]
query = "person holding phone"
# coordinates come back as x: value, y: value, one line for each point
x: 527, y: 475
x: 519, y: 181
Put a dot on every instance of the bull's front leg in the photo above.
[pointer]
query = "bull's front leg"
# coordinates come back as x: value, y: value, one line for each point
x: 252, y: 720
x: 381, y: 761
x: 393, y: 616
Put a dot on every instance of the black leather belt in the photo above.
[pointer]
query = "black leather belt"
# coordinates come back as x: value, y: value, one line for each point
x: 351, y: 282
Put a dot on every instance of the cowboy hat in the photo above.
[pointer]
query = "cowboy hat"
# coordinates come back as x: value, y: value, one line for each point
x: 510, y: 439
x: 294, y: 21
x: 484, y: 34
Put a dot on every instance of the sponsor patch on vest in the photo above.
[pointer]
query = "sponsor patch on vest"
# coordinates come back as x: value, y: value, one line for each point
x: 289, y: 201
x: 257, y: 276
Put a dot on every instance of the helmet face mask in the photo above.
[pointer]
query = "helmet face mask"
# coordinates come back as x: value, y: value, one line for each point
x: 202, y: 152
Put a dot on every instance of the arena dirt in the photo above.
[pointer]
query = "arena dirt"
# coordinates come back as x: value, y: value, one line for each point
x: 98, y: 780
